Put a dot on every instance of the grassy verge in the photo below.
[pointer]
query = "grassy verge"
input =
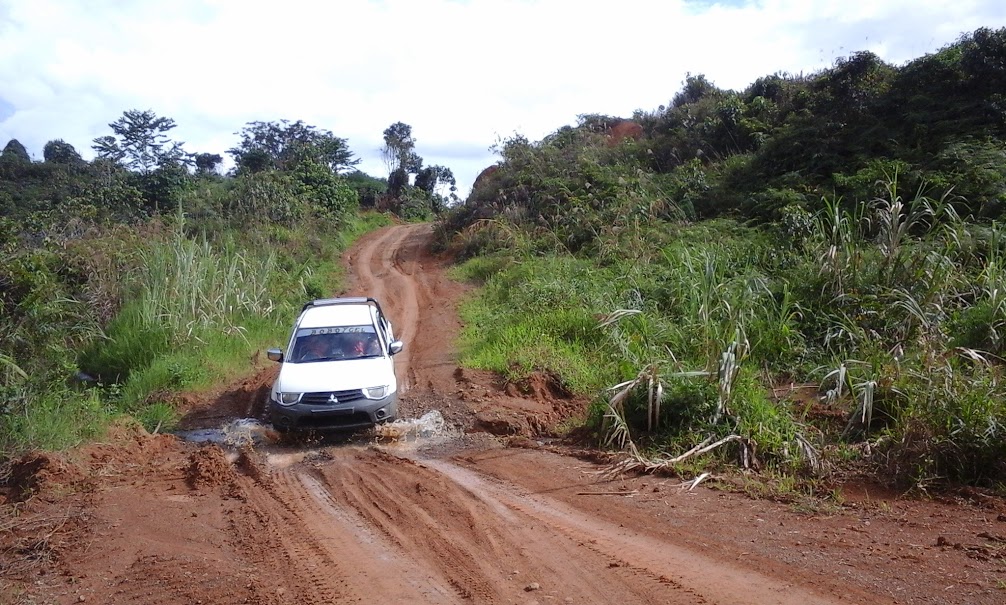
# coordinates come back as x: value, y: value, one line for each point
x: 806, y: 351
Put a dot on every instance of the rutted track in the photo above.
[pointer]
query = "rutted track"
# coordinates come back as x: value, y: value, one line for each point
x: 366, y: 524
x: 381, y: 273
x: 390, y: 265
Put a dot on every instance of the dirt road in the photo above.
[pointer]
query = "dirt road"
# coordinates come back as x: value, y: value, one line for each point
x: 468, y: 517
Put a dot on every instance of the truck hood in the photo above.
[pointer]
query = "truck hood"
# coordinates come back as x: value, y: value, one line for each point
x: 342, y: 375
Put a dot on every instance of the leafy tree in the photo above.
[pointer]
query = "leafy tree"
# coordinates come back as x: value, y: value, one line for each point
x: 983, y: 60
x: 853, y: 85
x: 255, y: 161
x: 14, y: 151
x: 141, y: 142
x: 327, y: 191
x: 400, y: 155
x: 107, y: 148
x: 284, y: 144
x: 696, y: 87
x: 268, y: 195
x: 164, y: 186
x: 398, y: 180
x: 368, y: 188
x: 399, y: 147
x: 206, y: 163
x: 430, y: 178
x: 59, y: 151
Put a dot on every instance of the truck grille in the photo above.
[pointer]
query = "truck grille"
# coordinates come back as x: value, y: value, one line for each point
x: 325, y: 398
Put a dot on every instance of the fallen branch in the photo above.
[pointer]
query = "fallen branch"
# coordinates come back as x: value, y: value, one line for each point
x: 629, y: 493
x: 638, y: 462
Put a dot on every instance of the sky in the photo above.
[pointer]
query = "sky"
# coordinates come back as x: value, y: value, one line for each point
x: 465, y: 74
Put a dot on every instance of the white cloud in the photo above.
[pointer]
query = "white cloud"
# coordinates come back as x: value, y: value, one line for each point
x: 462, y: 73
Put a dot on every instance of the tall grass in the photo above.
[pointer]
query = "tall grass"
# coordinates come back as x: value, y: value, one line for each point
x: 189, y: 288
x: 904, y: 296
x: 56, y: 419
x: 197, y: 310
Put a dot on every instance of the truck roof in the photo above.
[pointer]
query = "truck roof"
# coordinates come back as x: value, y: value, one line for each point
x: 341, y: 314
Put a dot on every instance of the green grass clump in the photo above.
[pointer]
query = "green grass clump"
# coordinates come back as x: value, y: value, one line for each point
x: 60, y: 418
x: 908, y: 304
x: 536, y: 317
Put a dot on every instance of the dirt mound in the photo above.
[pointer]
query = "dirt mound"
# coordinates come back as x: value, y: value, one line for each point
x: 38, y: 473
x: 129, y: 443
x: 543, y: 386
x: 208, y: 467
x: 537, y: 406
x: 126, y: 446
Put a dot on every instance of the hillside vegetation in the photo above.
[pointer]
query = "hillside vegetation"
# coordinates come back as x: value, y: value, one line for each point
x: 811, y: 269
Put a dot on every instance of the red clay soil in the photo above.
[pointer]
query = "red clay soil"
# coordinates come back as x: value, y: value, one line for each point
x: 496, y: 513
x: 626, y: 129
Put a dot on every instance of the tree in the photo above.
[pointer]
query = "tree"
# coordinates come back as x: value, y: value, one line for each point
x: 695, y: 88
x: 284, y: 144
x: 141, y: 142
x: 107, y: 148
x: 400, y: 155
x: 328, y: 191
x: 15, y: 152
x: 430, y: 178
x: 59, y: 151
x: 398, y: 180
x: 368, y: 188
x: 399, y: 147
x: 206, y: 163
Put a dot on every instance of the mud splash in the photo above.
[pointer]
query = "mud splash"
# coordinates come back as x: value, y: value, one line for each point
x: 238, y: 433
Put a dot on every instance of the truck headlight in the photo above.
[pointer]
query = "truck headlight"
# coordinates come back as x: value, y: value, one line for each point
x: 376, y: 392
x: 288, y: 398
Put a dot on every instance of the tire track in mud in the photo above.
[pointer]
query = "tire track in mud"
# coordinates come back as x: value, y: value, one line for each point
x: 330, y: 554
x: 307, y: 548
x: 713, y: 581
x: 490, y: 552
x: 392, y: 576
x: 396, y: 266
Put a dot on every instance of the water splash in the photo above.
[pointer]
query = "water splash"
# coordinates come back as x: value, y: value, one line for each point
x: 429, y: 425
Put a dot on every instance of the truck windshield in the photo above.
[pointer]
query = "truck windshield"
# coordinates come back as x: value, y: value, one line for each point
x: 338, y: 342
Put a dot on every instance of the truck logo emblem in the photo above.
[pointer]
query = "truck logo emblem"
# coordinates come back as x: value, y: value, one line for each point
x: 333, y: 399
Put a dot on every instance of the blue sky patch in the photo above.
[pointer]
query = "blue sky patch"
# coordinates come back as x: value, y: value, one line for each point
x: 6, y: 109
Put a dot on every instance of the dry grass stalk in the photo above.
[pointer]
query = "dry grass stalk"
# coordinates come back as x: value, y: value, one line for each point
x: 26, y: 543
x: 637, y: 462
x: 692, y: 484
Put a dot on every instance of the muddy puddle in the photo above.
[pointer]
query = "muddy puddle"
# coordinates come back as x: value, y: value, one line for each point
x: 284, y: 450
x: 238, y: 433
